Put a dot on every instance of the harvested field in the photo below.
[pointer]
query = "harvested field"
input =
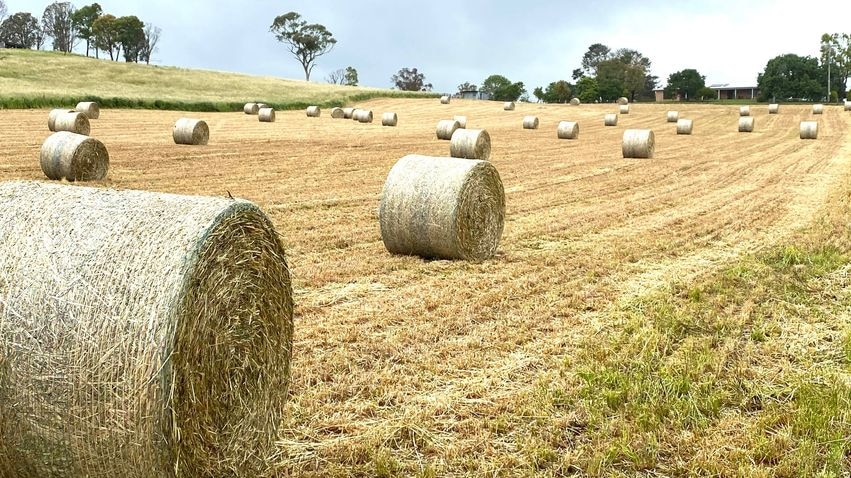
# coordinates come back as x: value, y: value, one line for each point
x: 403, y: 366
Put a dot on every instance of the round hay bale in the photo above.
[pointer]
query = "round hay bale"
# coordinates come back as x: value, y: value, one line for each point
x: 530, y: 122
x: 610, y: 119
x: 744, y: 110
x: 445, y: 208
x: 673, y: 116
x: 444, y: 100
x: 73, y: 121
x: 141, y: 334
x: 89, y: 108
x: 508, y: 106
x: 73, y: 157
x: 389, y: 119
x: 362, y: 116
x: 251, y: 108
x: 337, y: 113
x: 809, y: 130
x: 575, y: 102
x: 51, y: 117
x: 462, y: 121
x: 470, y: 144
x: 623, y: 100
x: 746, y: 124
x: 266, y: 115
x: 348, y: 113
x: 773, y: 108
x: 191, y: 131
x: 847, y: 105
x: 623, y: 109
x: 445, y: 129
x: 685, y: 126
x: 568, y: 130
x: 313, y: 112
x: 260, y: 106
x: 638, y: 143
x: 818, y: 109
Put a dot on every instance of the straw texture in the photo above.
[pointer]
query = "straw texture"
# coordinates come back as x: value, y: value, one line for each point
x: 73, y: 157
x: 191, y: 131
x: 72, y: 121
x: 446, y: 208
x: 141, y: 334
x: 818, y: 109
x: 362, y: 116
x: 51, y: 117
x: 610, y: 119
x: 470, y: 144
x: 638, y: 143
x: 530, y: 122
x: 251, y: 108
x: 89, y: 108
x: 508, y: 106
x: 313, y: 111
x: 575, y: 102
x: 673, y: 116
x: 462, y: 121
x: 266, y: 115
x: 744, y: 110
x: 623, y: 109
x: 389, y: 119
x: 809, y: 130
x: 746, y: 124
x: 568, y: 130
x: 337, y: 113
x: 685, y: 126
x: 445, y: 129
x: 773, y: 108
x: 444, y: 100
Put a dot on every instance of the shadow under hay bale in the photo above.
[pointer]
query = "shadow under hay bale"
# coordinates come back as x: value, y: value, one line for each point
x: 389, y: 119
x: 191, y: 131
x: 266, y: 115
x: 73, y: 157
x: 638, y: 143
x: 51, y: 117
x: 73, y: 122
x: 142, y: 335
x: 89, y: 108
x: 445, y: 208
x: 470, y: 144
x: 568, y: 130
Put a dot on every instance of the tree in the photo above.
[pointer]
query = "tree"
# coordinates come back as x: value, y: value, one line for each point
x: 556, y: 92
x: 409, y: 79
x: 837, y: 47
x: 791, y: 76
x: 56, y: 22
x: 350, y: 78
x: 636, y: 73
x: 610, y: 80
x: 305, y: 41
x: 706, y: 93
x: 149, y: 46
x: 105, y: 32
x: 501, y: 88
x: 577, y: 74
x: 687, y: 82
x: 21, y: 29
x: 596, y: 54
x: 467, y: 86
x: 83, y: 20
x: 587, y: 89
x: 131, y: 36
x: 336, y: 77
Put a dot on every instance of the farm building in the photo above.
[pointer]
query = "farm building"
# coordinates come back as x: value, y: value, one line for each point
x: 473, y: 95
x: 727, y: 92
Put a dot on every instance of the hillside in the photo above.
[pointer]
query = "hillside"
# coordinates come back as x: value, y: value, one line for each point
x: 33, y: 79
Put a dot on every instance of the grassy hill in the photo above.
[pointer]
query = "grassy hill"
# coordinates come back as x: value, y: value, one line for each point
x: 36, y: 79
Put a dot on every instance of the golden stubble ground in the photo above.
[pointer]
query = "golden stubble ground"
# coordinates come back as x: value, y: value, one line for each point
x: 413, y: 361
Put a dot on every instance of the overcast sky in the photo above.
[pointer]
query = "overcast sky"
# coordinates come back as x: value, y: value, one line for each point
x: 456, y: 41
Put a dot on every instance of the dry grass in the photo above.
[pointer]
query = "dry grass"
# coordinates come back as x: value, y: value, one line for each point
x: 409, y: 367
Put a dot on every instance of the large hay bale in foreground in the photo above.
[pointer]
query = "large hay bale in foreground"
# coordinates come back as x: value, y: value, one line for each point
x: 191, y: 131
x: 685, y: 126
x: 337, y: 113
x: 444, y: 100
x: 348, y: 113
x: 638, y: 143
x: 673, y: 116
x: 623, y: 100
x: 141, y: 334
x: 389, y: 119
x: 73, y: 122
x: 51, y: 117
x: 462, y: 121
x: 773, y: 108
x: 470, y: 144
x: 809, y: 130
x: 446, y: 208
x: 568, y: 130
x: 89, y: 108
x: 623, y: 109
x: 74, y: 157
x: 445, y: 129
x: 746, y: 124
x: 575, y: 102
x: 362, y: 116
x: 530, y: 122
x: 610, y: 119
x: 313, y: 111
x: 266, y: 115
x: 508, y: 106
x: 818, y: 109
x: 744, y: 110
x: 251, y: 108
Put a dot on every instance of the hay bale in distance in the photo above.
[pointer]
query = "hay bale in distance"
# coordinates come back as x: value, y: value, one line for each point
x: 847, y: 105
x: 445, y: 208
x: 444, y: 100
x: 744, y: 110
x: 337, y: 113
x: 348, y: 113
x: 773, y: 108
x: 266, y: 115
x: 470, y: 144
x: 684, y: 126
x: 623, y: 109
x: 623, y: 100
x: 147, y: 333
x: 260, y: 106
x: 673, y: 116
x: 818, y: 109
x: 251, y: 108
x: 191, y: 131
x: 73, y: 157
x: 89, y: 108
x: 54, y: 113
x: 313, y: 112
x: 746, y: 124
x: 575, y: 102
x: 638, y: 143
x: 73, y: 122
x: 610, y: 119
x: 462, y: 121
x: 809, y: 130
x: 508, y: 106
x: 530, y: 122
x: 445, y: 129
x: 568, y: 130
x: 362, y: 116
x: 389, y: 119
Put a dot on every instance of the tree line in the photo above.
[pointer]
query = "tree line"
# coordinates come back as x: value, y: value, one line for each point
x: 67, y: 26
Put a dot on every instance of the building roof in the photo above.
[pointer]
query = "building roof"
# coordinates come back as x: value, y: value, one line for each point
x: 727, y: 86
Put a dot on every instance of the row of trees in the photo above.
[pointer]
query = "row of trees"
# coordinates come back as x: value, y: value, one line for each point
x: 66, y: 25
